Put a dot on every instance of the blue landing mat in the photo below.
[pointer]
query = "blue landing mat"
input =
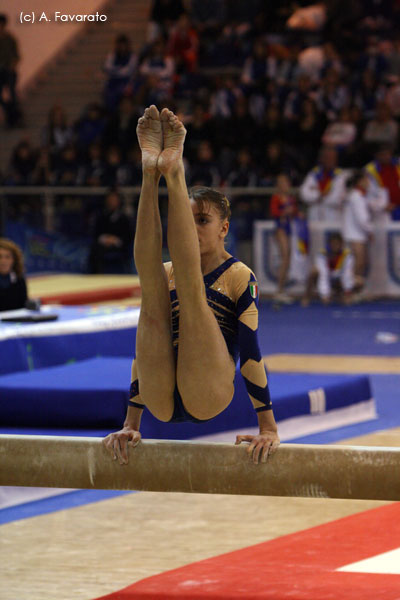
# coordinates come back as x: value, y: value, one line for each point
x: 93, y: 394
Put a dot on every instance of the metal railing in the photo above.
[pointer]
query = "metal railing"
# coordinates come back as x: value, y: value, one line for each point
x: 130, y: 195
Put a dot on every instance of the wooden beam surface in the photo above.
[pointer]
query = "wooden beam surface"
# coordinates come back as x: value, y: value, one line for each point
x: 187, y: 466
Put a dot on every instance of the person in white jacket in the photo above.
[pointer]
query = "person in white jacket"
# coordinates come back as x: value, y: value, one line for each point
x: 357, y: 223
x: 323, y: 189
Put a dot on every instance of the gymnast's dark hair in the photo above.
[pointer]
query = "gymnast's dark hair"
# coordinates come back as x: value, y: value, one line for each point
x: 203, y: 195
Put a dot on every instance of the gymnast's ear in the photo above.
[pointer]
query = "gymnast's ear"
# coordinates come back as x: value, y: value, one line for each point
x: 224, y: 228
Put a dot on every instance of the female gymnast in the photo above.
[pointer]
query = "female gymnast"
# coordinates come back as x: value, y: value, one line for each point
x: 204, y: 299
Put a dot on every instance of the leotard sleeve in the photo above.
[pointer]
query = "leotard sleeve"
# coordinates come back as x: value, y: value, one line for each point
x: 252, y: 366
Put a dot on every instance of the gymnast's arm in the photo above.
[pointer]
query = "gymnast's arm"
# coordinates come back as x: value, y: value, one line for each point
x: 253, y: 370
x: 117, y: 443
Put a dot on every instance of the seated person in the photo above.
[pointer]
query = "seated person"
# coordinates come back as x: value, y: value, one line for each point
x: 120, y: 67
x: 13, y: 292
x: 111, y: 250
x: 332, y: 274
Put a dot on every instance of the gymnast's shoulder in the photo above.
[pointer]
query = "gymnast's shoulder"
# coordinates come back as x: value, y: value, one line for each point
x: 241, y: 277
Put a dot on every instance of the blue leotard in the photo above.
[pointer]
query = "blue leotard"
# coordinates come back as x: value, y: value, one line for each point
x: 232, y: 294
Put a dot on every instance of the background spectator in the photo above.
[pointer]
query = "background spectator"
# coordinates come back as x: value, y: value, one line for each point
x: 9, y: 58
x: 323, y: 188
x: 306, y: 133
x: 357, y: 224
x: 92, y: 171
x: 205, y: 169
x: 332, y: 273
x: 156, y: 71
x: 382, y: 129
x: 90, y: 126
x: 183, y: 45
x: 120, y: 129
x: 22, y: 166
x: 57, y: 133
x: 368, y: 93
x: 113, y: 172
x: 341, y: 132
x: 13, y: 291
x: 283, y: 211
x: 164, y: 13
x: 111, y: 250
x: 384, y: 176
x: 67, y: 167
x: 119, y: 66
x: 243, y: 173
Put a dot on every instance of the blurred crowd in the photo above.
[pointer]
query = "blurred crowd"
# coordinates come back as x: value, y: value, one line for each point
x: 263, y: 88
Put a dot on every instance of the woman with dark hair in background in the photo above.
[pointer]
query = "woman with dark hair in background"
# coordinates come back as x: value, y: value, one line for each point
x: 13, y: 292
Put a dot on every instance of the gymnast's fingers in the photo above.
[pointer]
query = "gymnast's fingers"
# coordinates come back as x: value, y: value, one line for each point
x: 123, y: 445
x: 135, y: 439
x: 117, y: 451
x: 108, y: 444
x: 258, y: 447
x: 274, y: 446
x: 251, y: 447
x: 266, y: 451
x: 243, y: 438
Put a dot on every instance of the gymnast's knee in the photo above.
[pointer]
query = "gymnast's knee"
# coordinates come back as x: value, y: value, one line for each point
x: 207, y: 404
x: 161, y: 409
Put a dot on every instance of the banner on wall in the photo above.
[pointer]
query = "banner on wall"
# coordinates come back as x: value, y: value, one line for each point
x: 49, y: 252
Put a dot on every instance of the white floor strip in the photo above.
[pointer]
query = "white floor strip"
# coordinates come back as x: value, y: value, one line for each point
x: 12, y: 496
x: 308, y: 424
x: 387, y: 563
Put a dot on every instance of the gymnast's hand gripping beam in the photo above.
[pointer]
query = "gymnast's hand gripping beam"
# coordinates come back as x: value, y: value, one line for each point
x: 189, y: 466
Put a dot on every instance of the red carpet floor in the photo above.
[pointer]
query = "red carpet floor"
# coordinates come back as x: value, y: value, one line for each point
x: 300, y: 566
x: 89, y: 296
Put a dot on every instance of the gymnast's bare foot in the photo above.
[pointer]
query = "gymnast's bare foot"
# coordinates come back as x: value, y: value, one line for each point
x: 150, y: 138
x: 174, y: 134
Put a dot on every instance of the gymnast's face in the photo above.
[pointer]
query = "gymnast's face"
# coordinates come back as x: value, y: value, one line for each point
x: 6, y: 261
x: 211, y: 231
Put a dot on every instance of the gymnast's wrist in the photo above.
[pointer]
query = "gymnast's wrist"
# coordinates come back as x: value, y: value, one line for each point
x: 265, y: 431
x: 133, y: 417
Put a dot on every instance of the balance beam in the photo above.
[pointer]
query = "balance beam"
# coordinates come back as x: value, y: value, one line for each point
x: 171, y: 466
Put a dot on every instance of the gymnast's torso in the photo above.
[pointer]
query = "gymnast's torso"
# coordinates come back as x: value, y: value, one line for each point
x: 223, y: 287
x: 232, y: 294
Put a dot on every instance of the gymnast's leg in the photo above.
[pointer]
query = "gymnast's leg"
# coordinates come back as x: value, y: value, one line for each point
x: 154, y: 352
x: 205, y: 369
